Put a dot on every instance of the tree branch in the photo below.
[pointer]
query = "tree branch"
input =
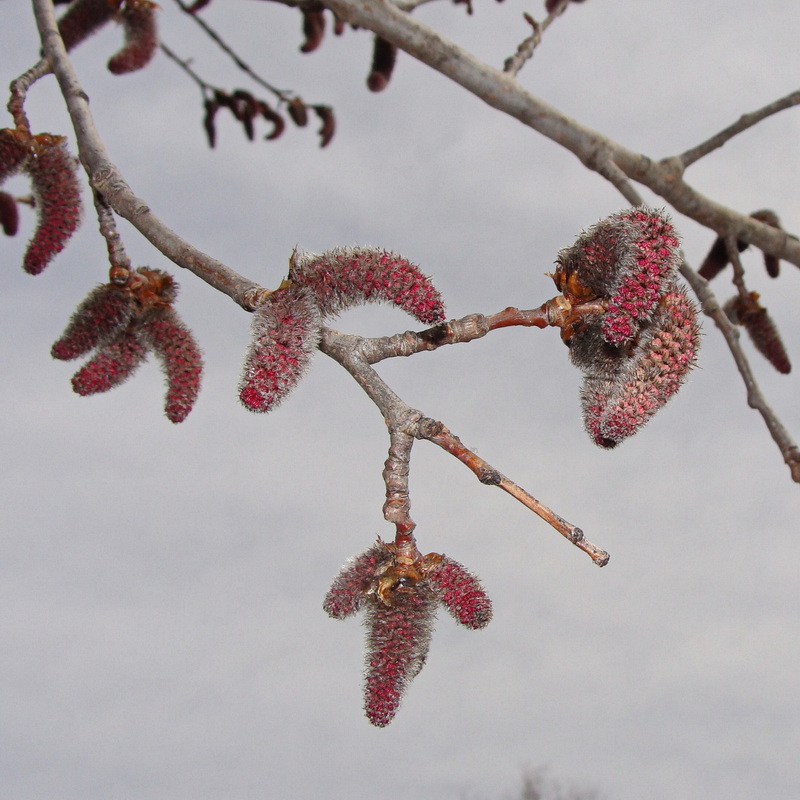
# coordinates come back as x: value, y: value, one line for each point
x: 503, y: 92
x: 112, y: 187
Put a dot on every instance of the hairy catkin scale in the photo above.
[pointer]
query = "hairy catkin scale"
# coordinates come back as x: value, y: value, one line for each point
x: 101, y: 315
x: 285, y: 331
x: 141, y: 37
x: 54, y: 180
x: 347, y: 594
x: 398, y: 639
x: 346, y: 277
x: 181, y: 360
x: 111, y: 365
x: 384, y: 56
x: 83, y: 18
x: 461, y: 593
x: 658, y: 366
x: 9, y: 214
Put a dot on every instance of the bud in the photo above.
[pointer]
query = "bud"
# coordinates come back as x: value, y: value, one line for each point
x: 54, y: 180
x: 9, y: 214
x: 346, y: 277
x: 285, y: 334
x: 350, y: 587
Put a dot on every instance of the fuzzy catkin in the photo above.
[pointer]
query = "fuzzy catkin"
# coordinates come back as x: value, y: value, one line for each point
x: 461, y: 593
x: 285, y: 334
x: 346, y: 277
x: 616, y: 409
x: 181, y: 361
x: 106, y: 310
x: 398, y: 639
x: 54, y: 180
x: 141, y: 37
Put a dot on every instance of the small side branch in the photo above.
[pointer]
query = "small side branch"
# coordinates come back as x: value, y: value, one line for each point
x: 742, y: 124
x: 437, y: 433
x: 755, y: 398
x: 107, y: 181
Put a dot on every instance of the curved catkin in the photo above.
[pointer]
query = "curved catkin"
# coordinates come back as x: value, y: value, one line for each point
x: 180, y: 357
x: 111, y: 365
x: 384, y: 56
x: 346, y: 277
x: 141, y: 37
x: 347, y: 594
x: 398, y: 639
x: 105, y: 311
x: 285, y: 334
x: 82, y: 19
x: 626, y: 260
x: 617, y: 409
x: 461, y: 593
x: 763, y: 331
x: 54, y: 180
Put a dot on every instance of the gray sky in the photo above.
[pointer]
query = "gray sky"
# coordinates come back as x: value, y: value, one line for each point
x: 162, y: 633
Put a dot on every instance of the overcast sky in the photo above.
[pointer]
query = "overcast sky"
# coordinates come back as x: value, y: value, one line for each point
x: 161, y: 633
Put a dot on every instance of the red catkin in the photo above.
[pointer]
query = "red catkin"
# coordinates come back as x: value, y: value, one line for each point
x: 54, y: 180
x: 349, y: 589
x: 285, y: 332
x: 82, y: 19
x: 398, y: 639
x: 667, y: 350
x: 461, y: 593
x: 181, y: 360
x: 346, y: 277
x: 141, y: 37
x: 111, y: 365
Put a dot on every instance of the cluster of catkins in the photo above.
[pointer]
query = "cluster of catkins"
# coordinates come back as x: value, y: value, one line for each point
x: 640, y: 336
x: 286, y: 328
x: 119, y: 324
x: 44, y: 158
x: 744, y: 309
x: 138, y: 20
x: 399, y: 597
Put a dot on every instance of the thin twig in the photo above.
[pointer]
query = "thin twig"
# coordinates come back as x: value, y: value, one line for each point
x: 106, y: 179
x: 755, y: 399
x: 742, y: 124
x: 231, y: 53
x: 346, y: 349
x: 19, y: 90
x: 513, y: 64
x: 436, y: 432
